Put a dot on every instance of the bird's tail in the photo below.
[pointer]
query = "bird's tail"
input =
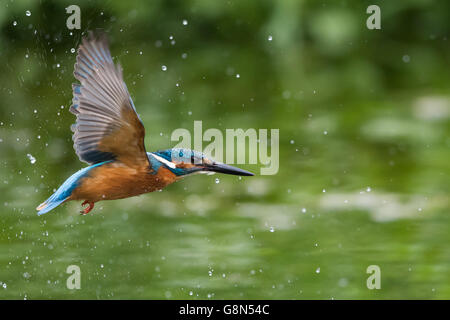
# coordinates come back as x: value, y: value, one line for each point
x: 61, y: 195
x: 65, y: 190
x: 49, y: 204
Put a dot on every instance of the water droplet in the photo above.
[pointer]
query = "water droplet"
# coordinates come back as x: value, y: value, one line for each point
x: 217, y: 181
x: 163, y: 68
x: 15, y: 23
x: 272, y: 229
x: 304, y: 210
x: 318, y: 270
x: 323, y: 190
x: 28, y: 13
x: 31, y: 158
x: 72, y: 50
x: 292, y: 141
x: 269, y: 38
x: 185, y: 22
x: 238, y: 75
x: 406, y: 58
x: 368, y: 189
x: 184, y: 55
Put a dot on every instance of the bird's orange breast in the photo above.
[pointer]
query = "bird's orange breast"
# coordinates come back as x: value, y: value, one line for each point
x: 116, y: 181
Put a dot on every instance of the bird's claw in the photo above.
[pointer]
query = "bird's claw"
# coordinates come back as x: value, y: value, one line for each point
x: 88, y: 209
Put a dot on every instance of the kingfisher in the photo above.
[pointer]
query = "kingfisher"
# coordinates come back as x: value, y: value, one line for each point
x: 109, y: 136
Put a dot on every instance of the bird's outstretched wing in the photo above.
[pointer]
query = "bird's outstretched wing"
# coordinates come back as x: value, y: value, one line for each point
x: 107, y: 125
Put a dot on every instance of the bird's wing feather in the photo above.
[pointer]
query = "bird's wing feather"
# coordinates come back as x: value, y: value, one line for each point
x: 107, y: 125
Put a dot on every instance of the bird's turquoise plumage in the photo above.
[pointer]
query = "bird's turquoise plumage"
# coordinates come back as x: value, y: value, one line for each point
x: 65, y: 190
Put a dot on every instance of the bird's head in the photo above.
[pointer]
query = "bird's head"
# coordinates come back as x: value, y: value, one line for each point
x: 185, y: 161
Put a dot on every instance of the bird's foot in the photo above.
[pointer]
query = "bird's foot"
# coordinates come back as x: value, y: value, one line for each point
x: 88, y: 209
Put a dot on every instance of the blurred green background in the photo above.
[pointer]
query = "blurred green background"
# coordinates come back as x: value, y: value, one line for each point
x: 364, y: 151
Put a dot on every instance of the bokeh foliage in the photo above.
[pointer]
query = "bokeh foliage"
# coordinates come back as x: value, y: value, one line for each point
x: 363, y: 115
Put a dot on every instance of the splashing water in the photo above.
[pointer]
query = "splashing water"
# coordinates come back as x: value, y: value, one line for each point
x: 32, y: 159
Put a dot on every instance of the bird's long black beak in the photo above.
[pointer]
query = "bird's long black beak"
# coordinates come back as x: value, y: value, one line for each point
x: 224, y: 168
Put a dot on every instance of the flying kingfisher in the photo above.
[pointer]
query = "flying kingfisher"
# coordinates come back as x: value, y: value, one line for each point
x: 109, y: 136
